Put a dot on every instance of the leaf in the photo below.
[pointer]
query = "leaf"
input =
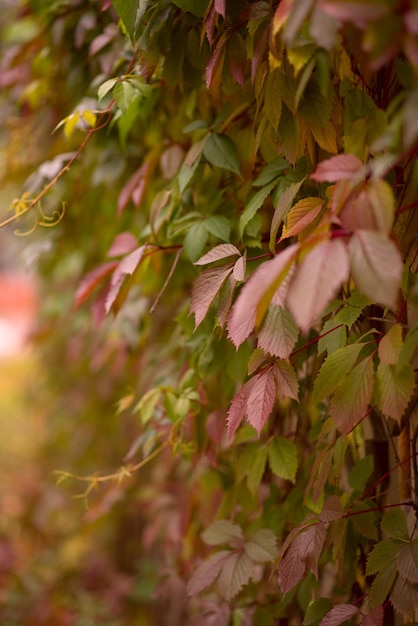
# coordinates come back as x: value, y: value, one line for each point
x: 407, y: 561
x: 205, y: 289
x: 351, y: 400
x: 361, y: 472
x: 126, y: 267
x: 105, y: 87
x: 301, y: 215
x: 316, y: 610
x: 122, y: 244
x: 283, y: 458
x: 273, y: 97
x: 394, y: 389
x: 279, y: 332
x: 318, y: 277
x: 239, y: 270
x: 236, y: 572
x: 222, y: 251
x: 135, y: 187
x: 130, y: 12
x: 207, y: 572
x: 262, y: 547
x: 214, y: 68
x: 333, y: 336
x: 297, y: 15
x: 195, y: 240
x: 271, y: 172
x: 376, y: 266
x: 304, y: 551
x: 383, y: 554
x: 404, y: 597
x: 364, y: 520
x: 334, y: 370
x: 339, y: 167
x: 221, y: 531
x: 148, y: 402
x: 256, y: 471
x: 91, y: 280
x: 218, y: 226
x: 339, y: 614
x: 394, y: 524
x: 382, y: 585
x: 375, y: 617
x: 237, y: 61
x: 266, y: 278
x: 261, y: 400
x: 196, y: 7
x: 254, y: 204
x: 283, y: 205
x: 220, y: 151
x: 332, y: 509
x: 409, y: 348
x: 238, y: 409
x: 286, y: 380
x: 390, y: 345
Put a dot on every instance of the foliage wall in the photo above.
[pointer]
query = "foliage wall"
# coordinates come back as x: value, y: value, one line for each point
x: 220, y: 198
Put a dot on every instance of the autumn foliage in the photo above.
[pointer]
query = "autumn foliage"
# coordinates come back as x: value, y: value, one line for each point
x: 237, y: 187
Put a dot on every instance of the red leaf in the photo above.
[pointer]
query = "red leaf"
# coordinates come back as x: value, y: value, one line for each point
x: 205, y: 289
x: 332, y: 509
x: 375, y: 617
x: 238, y: 409
x: 266, y: 277
x: 339, y: 614
x: 135, y: 187
x: 213, y: 71
x: 91, y: 280
x: 339, y: 167
x: 261, y: 399
x: 122, y: 244
x: 217, y: 253
x: 207, y: 572
x: 317, y: 280
x: 220, y: 7
x: 126, y: 267
x: 304, y: 551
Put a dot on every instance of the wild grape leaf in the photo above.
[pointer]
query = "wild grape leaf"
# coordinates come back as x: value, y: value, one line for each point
x: 122, y: 244
x: 222, y: 251
x: 409, y: 348
x: 271, y: 172
x: 221, y: 531
x: 407, y: 561
x: 304, y: 552
x: 382, y: 555
x: 256, y: 470
x: 239, y: 269
x: 266, y: 279
x: 254, y: 204
x: 91, y: 280
x: 130, y: 12
x: 220, y: 151
x: 361, y: 472
x: 325, y: 136
x: 238, y: 409
x: 394, y: 389
x: 334, y: 370
x: 256, y: 360
x: 394, y: 524
x: 262, y: 547
x: 382, y: 585
x: 287, y: 383
x: 333, y: 336
x: 236, y: 572
x: 195, y: 240
x: 351, y: 400
x: 279, y: 332
x: 283, y: 205
x: 332, y: 509
x: 214, y: 68
x: 226, y: 296
x: 134, y: 188
x: 220, y: 7
x: 316, y: 610
x: 273, y: 97
x: 237, y: 58
x: 207, y: 572
x: 205, y: 289
x: 339, y: 167
x: 375, y: 617
x: 365, y: 521
x: 318, y: 277
x: 376, y: 266
x: 283, y: 458
x: 219, y: 226
x: 339, y: 614
x: 404, y: 597
x: 261, y: 399
x: 126, y: 267
x: 390, y: 345
x: 301, y: 215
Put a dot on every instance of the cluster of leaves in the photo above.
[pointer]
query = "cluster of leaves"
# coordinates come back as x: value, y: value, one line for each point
x: 276, y: 144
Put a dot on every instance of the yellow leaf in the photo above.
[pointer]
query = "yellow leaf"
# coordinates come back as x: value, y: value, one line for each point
x: 90, y: 118
x: 70, y: 123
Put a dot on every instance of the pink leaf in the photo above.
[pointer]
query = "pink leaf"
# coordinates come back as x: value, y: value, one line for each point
x: 286, y: 380
x: 238, y: 409
x: 351, y: 400
x: 126, y: 267
x: 239, y: 269
x: 205, y: 290
x: 220, y: 7
x: 135, y: 187
x: 213, y: 70
x: 217, y: 253
x: 207, y: 572
x: 304, y: 551
x: 91, y: 280
x: 261, y: 400
x: 317, y: 280
x: 279, y: 332
x: 332, y: 509
x: 339, y: 614
x: 236, y: 572
x: 122, y: 244
x: 225, y: 300
x: 266, y: 278
x: 376, y: 266
x: 339, y: 167
x: 375, y: 617
x: 358, y: 13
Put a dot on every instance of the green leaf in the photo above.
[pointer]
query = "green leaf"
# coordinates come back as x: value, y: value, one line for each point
x: 254, y: 204
x: 262, y: 546
x: 125, y: 94
x: 361, y: 472
x: 394, y: 524
x: 283, y: 458
x: 197, y: 7
x: 130, y: 12
x: 382, y: 585
x: 383, y: 555
x: 105, y: 87
x: 334, y: 370
x: 408, y: 349
x: 273, y: 97
x: 390, y: 345
x: 365, y: 522
x: 271, y: 172
x: 148, y: 402
x: 336, y: 337
x: 394, y: 389
x: 220, y: 151
x: 218, y: 226
x: 221, y: 531
x: 195, y: 241
x: 316, y: 611
x: 256, y: 469
x: 236, y: 572
x: 352, y: 398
